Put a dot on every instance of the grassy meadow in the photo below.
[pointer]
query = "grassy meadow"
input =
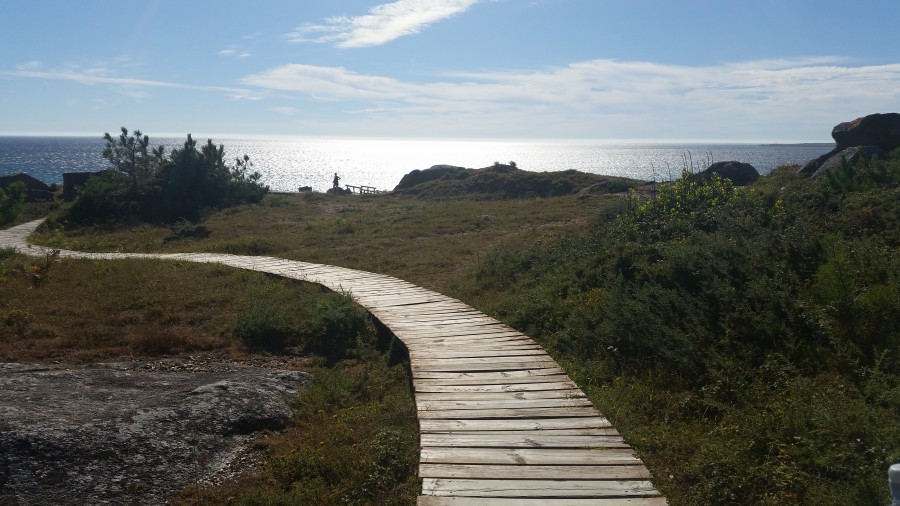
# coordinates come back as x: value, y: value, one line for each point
x: 744, y: 341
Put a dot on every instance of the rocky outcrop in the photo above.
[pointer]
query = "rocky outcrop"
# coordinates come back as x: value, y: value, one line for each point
x: 851, y: 155
x: 35, y: 189
x: 337, y: 190
x: 876, y: 134
x: 417, y: 177
x: 133, y: 432
x: 739, y: 173
x: 879, y: 130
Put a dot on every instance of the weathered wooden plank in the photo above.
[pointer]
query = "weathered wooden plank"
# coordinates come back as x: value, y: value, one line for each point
x: 529, y: 456
x: 529, y: 433
x: 461, y: 487
x: 511, y: 424
x: 477, y: 386
x: 485, y: 352
x: 446, y: 339
x: 458, y: 440
x: 449, y: 351
x: 519, y: 472
x: 525, y: 362
x: 508, y: 375
x: 427, y: 405
x: 572, y: 393
x: 552, y: 375
x: 505, y: 365
x: 430, y: 500
x: 509, y: 413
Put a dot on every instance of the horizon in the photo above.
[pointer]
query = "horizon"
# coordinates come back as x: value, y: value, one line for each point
x: 493, y: 70
x: 314, y: 138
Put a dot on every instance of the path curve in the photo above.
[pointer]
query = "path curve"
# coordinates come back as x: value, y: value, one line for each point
x: 500, y: 422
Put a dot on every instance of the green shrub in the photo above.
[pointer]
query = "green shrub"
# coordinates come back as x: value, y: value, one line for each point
x: 266, y: 327
x: 336, y: 326
x: 245, y: 246
x: 745, y: 343
x: 11, y: 202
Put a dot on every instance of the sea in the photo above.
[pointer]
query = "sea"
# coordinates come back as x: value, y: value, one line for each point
x: 287, y: 164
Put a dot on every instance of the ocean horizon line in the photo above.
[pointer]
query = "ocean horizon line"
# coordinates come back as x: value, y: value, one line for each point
x: 320, y: 138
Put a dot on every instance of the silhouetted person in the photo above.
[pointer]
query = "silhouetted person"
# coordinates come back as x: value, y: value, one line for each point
x: 337, y: 180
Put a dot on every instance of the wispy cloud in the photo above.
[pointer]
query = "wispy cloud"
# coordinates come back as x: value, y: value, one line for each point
x: 383, y: 23
x: 608, y: 96
x: 234, y: 52
x: 126, y: 85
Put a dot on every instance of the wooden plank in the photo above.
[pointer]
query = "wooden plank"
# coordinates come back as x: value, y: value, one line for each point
x: 445, y: 339
x: 529, y: 456
x: 457, y: 440
x: 525, y: 362
x: 448, y: 386
x: 426, y: 405
x: 509, y: 413
x: 430, y: 500
x: 449, y: 351
x: 530, y: 433
x: 505, y: 365
x: 507, y: 375
x: 572, y: 393
x: 517, y: 350
x: 469, y: 424
x: 552, y: 376
x: 461, y: 487
x: 494, y: 472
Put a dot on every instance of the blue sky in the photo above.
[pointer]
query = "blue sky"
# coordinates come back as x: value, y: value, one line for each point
x: 712, y: 70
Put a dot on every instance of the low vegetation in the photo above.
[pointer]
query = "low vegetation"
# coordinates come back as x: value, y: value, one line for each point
x: 354, y: 437
x: 12, y: 200
x: 744, y: 340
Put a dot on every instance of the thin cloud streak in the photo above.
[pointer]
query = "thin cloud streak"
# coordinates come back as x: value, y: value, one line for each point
x: 383, y: 23
x: 99, y: 76
x: 641, y: 96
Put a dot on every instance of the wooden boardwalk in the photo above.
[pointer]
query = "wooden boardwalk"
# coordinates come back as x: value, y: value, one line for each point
x: 500, y: 422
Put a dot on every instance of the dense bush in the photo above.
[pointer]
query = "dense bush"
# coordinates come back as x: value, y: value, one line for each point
x: 330, y: 326
x: 747, y: 342
x: 11, y: 202
x: 145, y: 184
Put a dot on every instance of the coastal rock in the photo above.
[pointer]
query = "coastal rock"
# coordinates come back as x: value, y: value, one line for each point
x: 339, y: 191
x: 880, y: 130
x: 739, y: 173
x: 133, y: 432
x: 852, y: 155
x: 417, y: 177
x: 605, y: 187
x: 36, y: 190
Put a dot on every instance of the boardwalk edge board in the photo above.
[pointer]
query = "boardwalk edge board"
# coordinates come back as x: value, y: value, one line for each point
x: 500, y: 422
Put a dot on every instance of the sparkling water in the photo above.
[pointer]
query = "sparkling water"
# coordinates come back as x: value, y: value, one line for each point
x: 287, y: 164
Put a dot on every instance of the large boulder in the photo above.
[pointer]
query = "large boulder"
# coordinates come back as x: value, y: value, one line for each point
x: 35, y: 189
x: 739, y: 173
x: 851, y: 155
x: 131, y: 432
x: 880, y: 130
